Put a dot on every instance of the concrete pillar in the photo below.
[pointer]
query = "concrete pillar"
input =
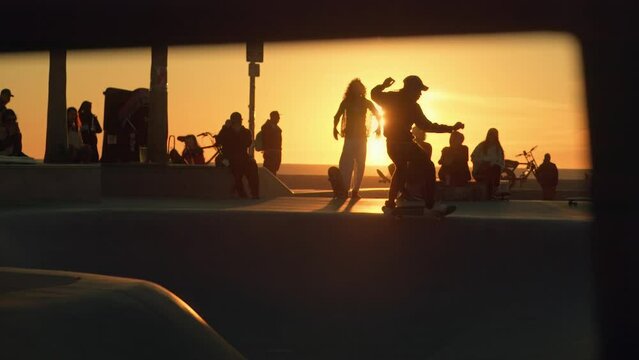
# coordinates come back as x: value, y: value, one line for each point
x: 158, y: 118
x: 56, y: 141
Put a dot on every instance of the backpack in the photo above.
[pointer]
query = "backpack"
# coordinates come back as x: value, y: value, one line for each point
x: 259, y: 141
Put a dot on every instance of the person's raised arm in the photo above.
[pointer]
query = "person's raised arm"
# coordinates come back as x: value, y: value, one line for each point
x: 423, y: 123
x: 377, y: 93
x: 337, y: 118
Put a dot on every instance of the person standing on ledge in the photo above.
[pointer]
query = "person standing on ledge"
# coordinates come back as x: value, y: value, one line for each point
x: 352, y: 112
x: 401, y: 111
x: 548, y: 177
x: 272, y: 142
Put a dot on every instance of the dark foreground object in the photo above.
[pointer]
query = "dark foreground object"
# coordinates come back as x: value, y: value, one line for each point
x: 65, y: 315
x: 282, y: 284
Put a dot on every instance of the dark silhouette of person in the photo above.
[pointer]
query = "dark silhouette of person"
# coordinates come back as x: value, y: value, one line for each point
x: 488, y: 162
x: 272, y: 142
x: 415, y: 172
x: 548, y: 177
x: 10, y: 135
x: 401, y: 111
x: 454, y: 169
x: 89, y: 130
x: 5, y: 98
x: 352, y: 113
x: 220, y: 159
x: 77, y: 151
x: 235, y: 141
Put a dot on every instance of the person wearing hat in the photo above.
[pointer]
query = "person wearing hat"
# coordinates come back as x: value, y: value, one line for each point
x: 235, y: 141
x: 5, y: 98
x: 272, y: 139
x: 401, y: 111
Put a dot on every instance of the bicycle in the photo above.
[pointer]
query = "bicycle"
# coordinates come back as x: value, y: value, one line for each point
x: 508, y: 173
x: 193, y: 153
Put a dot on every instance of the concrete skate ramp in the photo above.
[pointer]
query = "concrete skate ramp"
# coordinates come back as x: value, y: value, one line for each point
x: 187, y: 181
x: 37, y: 183
x: 278, y: 282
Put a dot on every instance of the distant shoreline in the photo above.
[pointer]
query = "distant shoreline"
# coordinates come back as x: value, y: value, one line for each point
x: 321, y: 169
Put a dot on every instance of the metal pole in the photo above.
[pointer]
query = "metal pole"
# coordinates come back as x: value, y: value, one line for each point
x: 252, y: 109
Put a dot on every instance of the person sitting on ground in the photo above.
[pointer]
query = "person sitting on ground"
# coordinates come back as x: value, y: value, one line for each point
x: 90, y: 128
x: 272, y: 139
x: 10, y: 135
x: 78, y: 152
x: 415, y: 172
x: 454, y: 169
x: 488, y: 162
x: 235, y: 141
x: 548, y: 177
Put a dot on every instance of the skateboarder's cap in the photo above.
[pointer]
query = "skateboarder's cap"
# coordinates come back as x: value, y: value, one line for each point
x: 414, y: 82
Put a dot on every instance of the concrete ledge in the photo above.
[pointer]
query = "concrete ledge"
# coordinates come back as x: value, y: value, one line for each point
x: 26, y: 183
x: 29, y: 183
x: 189, y: 181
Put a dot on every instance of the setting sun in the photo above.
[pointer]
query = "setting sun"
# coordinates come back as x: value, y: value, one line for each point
x: 529, y: 86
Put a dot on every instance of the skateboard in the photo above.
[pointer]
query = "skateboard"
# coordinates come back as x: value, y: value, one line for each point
x: 573, y: 201
x: 402, y: 211
x: 337, y: 183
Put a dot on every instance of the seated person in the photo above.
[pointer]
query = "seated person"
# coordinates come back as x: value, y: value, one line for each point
x: 10, y: 135
x: 235, y: 141
x: 488, y: 161
x: 414, y: 173
x: 454, y: 162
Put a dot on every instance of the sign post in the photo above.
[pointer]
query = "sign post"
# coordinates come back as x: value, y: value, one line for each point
x: 254, y: 55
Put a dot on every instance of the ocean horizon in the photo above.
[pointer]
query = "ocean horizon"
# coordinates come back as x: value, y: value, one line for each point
x: 321, y: 169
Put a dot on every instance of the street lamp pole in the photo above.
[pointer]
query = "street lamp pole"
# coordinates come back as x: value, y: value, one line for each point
x: 254, y: 55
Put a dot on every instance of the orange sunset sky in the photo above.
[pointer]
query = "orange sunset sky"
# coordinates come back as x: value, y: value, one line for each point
x: 529, y: 86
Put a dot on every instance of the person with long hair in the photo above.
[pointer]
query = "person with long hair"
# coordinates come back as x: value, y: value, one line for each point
x: 352, y: 113
x: 90, y: 127
x: 488, y: 161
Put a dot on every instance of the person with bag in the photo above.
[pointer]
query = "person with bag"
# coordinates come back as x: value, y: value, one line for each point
x: 271, y: 142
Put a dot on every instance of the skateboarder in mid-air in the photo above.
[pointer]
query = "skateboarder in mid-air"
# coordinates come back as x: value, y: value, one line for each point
x: 401, y: 112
